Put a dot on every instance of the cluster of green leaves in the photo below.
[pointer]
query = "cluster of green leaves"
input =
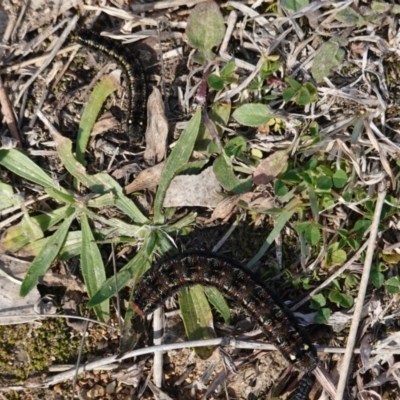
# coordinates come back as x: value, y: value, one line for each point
x: 310, y: 186
x: 102, y: 191
x: 343, y: 291
x: 300, y: 94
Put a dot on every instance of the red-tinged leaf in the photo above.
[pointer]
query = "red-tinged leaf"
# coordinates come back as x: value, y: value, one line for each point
x: 270, y: 168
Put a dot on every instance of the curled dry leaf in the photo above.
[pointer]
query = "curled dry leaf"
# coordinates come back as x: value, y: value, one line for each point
x: 105, y: 123
x: 227, y: 207
x: 150, y: 177
x: 157, y: 129
x: 147, y: 179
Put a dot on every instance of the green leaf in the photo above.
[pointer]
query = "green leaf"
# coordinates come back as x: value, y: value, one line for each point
x: 179, y: 156
x: 324, y: 183
x: 226, y: 177
x: 350, y: 17
x: 295, y: 85
x: 227, y: 70
x: 343, y: 300
x: 313, y: 93
x: 308, y: 178
x: 328, y: 57
x: 347, y: 301
x: 270, y: 65
x: 311, y: 165
x: 322, y: 316
x: 301, y: 227
x: 303, y: 97
x: 325, y: 170
x: 62, y: 197
x: 23, y: 166
x: 7, y: 196
x: 292, y: 177
x: 339, y: 178
x: 313, y: 202
x: 253, y: 114
x: 280, y: 188
x: 314, y: 128
x: 334, y: 255
x: 361, y: 226
x: 42, y: 262
x: 318, y: 301
x: 135, y: 268
x: 392, y: 285
x: 71, y: 247
x: 215, y: 82
x: 102, y: 90
x: 235, y: 147
x: 205, y: 28
x: 197, y: 317
x: 280, y: 223
x: 295, y: 5
x: 312, y: 234
x: 288, y: 94
x: 327, y: 201
x: 351, y: 281
x: 93, y: 269
x: 105, y: 200
x: 219, y: 116
x: 101, y: 183
x: 16, y: 237
x: 219, y: 302
x: 31, y: 228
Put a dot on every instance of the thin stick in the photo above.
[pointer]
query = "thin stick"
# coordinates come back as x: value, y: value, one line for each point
x: 351, y: 341
x: 7, y: 108
x: 332, y: 277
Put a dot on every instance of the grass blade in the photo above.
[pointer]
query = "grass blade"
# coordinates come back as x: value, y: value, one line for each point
x: 280, y: 223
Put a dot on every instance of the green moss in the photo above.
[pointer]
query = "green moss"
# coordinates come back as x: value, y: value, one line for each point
x: 28, y: 350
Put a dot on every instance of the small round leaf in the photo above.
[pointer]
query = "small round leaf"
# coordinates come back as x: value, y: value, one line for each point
x: 253, y: 114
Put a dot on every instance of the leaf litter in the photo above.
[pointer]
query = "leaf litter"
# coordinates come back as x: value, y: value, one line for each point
x: 339, y: 60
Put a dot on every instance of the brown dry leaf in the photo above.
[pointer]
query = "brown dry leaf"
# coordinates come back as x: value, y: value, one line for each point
x: 193, y: 190
x: 269, y: 168
x: 105, y: 123
x: 157, y: 129
x: 52, y: 279
x: 227, y: 207
x: 147, y: 179
x: 150, y: 177
x: 262, y: 202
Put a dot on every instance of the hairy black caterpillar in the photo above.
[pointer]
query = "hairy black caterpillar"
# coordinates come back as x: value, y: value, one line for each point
x: 237, y: 283
x: 134, y: 74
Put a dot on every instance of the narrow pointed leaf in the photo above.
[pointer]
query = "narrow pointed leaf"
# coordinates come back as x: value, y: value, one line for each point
x: 42, y: 262
x: 179, y: 156
x: 23, y: 166
x: 93, y: 268
x: 133, y: 269
x: 197, y: 317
